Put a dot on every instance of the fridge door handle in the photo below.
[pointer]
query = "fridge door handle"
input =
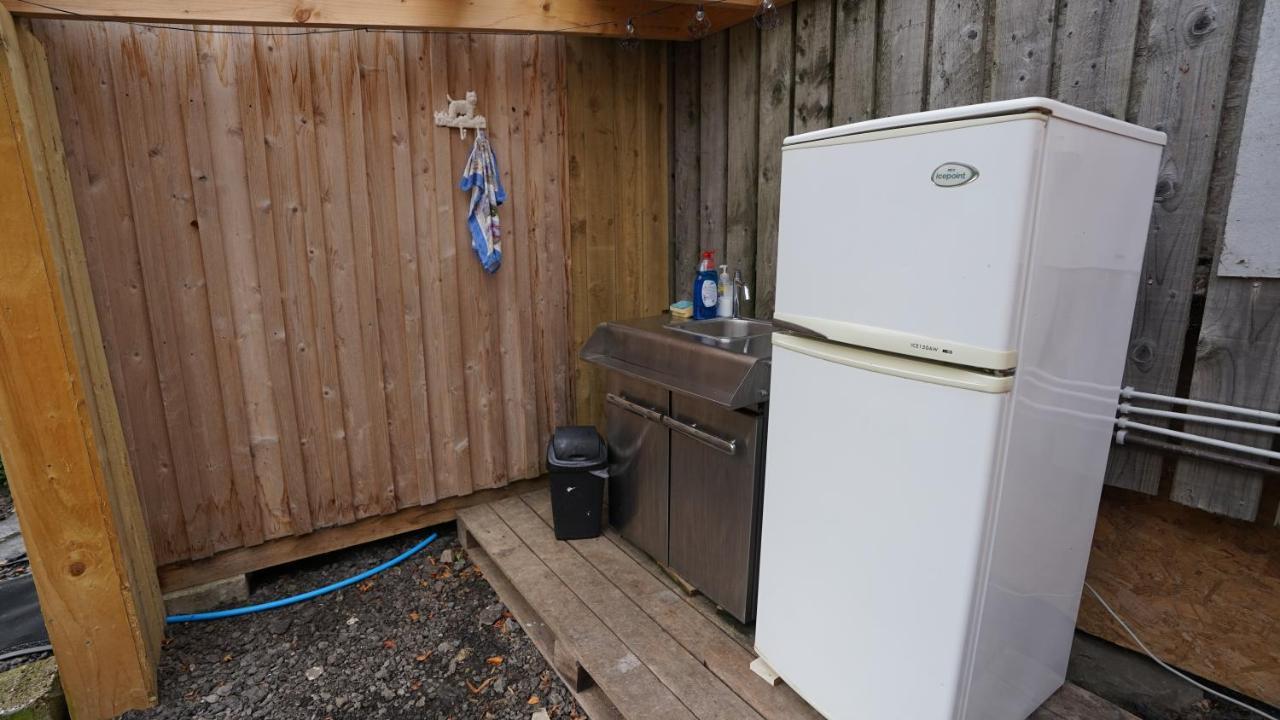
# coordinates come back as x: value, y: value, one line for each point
x: 715, y: 442
x: 635, y: 408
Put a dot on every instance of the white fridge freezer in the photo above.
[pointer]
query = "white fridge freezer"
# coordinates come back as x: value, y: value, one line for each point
x: 959, y: 285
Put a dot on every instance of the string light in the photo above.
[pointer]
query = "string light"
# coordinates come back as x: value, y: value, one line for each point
x: 767, y: 17
x: 700, y: 25
x: 630, y: 42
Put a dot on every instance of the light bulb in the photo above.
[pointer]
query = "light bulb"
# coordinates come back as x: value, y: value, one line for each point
x: 630, y: 41
x: 700, y: 25
x: 767, y: 17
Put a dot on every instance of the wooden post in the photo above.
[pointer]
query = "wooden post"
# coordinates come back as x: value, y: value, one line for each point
x: 60, y: 432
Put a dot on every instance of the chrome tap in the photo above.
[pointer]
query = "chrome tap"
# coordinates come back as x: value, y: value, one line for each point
x: 739, y: 285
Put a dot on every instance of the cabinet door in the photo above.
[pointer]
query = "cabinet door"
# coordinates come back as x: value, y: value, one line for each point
x: 715, y: 501
x: 639, y: 453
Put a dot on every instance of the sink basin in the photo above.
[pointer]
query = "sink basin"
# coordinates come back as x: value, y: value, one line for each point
x: 723, y: 328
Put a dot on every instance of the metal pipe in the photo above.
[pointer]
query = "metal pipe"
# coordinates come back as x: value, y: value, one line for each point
x: 1126, y: 424
x: 1128, y: 409
x: 1122, y: 438
x: 1130, y: 394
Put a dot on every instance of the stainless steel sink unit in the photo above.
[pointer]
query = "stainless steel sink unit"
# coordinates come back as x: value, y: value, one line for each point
x: 685, y: 409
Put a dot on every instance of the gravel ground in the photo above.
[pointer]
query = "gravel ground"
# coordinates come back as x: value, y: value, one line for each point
x: 11, y: 569
x: 426, y: 639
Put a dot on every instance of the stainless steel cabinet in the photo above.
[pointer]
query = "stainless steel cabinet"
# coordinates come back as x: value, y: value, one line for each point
x: 686, y: 486
x: 639, y: 461
x: 715, y: 501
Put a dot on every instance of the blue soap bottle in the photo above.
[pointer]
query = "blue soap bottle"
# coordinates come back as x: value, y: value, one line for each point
x: 706, y: 292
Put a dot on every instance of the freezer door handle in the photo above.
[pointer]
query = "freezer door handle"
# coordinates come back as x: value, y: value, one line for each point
x: 715, y: 442
x: 635, y: 408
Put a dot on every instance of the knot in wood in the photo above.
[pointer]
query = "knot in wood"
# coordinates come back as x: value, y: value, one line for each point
x: 1142, y: 354
x: 1201, y: 23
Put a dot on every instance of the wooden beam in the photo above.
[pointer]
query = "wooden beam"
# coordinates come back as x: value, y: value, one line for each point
x: 59, y: 426
x: 288, y: 549
x: 578, y: 17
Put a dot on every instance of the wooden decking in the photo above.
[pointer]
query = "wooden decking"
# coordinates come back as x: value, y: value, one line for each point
x: 627, y: 640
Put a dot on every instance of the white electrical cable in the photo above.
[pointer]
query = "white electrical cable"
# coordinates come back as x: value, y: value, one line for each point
x: 1170, y: 668
x: 1129, y: 409
x: 1129, y: 393
x: 1124, y: 423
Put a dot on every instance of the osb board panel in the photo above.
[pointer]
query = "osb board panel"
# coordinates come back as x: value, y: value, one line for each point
x: 616, y: 123
x: 299, y: 332
x: 1202, y: 592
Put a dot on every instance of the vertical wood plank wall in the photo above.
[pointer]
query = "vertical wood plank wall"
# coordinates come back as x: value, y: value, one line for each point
x: 1166, y: 64
x: 617, y: 124
x: 298, y: 331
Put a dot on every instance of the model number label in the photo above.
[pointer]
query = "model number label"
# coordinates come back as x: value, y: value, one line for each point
x: 926, y: 348
x: 954, y: 174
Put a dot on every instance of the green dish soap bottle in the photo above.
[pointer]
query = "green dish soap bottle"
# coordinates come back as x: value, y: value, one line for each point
x: 705, y: 291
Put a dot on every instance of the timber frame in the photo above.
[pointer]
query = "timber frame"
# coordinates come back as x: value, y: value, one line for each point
x: 652, y: 20
x: 60, y: 430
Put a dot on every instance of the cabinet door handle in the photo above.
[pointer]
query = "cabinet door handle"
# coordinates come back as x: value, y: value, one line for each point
x: 715, y: 442
x: 635, y: 408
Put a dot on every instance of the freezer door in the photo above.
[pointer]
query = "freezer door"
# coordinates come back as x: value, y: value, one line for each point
x: 877, y: 488
x: 881, y: 245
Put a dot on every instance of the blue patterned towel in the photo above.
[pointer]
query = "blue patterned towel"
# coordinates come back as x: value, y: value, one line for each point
x: 481, y: 177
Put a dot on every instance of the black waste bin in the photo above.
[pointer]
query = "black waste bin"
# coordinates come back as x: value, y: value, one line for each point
x: 577, y: 458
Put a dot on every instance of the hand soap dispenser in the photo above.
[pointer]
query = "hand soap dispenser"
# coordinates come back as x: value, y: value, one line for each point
x: 724, y: 307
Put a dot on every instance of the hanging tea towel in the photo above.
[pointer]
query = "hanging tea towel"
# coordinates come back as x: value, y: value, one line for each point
x: 481, y: 177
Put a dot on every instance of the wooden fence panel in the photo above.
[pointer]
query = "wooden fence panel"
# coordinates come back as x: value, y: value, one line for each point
x: 896, y: 56
x: 612, y: 91
x: 299, y: 331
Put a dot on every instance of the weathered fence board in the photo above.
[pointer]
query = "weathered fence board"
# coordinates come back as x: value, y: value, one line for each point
x: 958, y: 70
x: 776, y: 62
x: 853, y: 92
x: 1179, y: 80
x: 811, y: 106
x: 902, y: 69
x: 1236, y: 355
x: 299, y: 332
x: 744, y: 138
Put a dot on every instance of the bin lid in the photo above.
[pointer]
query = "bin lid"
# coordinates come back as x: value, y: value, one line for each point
x: 578, y: 446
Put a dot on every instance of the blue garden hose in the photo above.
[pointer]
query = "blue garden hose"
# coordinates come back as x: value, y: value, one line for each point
x: 294, y: 599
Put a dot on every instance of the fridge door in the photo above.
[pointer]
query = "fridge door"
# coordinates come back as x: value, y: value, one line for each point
x: 877, y: 484
x: 912, y: 240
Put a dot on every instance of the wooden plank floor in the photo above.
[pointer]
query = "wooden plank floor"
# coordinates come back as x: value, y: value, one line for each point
x: 627, y: 640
